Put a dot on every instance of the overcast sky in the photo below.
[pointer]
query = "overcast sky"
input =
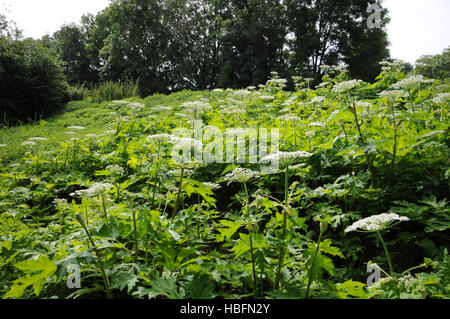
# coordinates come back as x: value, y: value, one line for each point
x: 417, y: 27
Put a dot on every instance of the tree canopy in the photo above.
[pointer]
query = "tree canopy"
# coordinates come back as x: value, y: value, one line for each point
x: 200, y: 44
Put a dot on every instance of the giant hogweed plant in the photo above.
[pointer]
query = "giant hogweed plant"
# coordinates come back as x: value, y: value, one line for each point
x: 172, y: 232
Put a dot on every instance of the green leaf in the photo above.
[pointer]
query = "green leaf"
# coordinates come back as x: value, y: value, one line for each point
x: 166, y: 287
x: 7, y: 244
x: 325, y: 246
x: 36, y: 273
x: 353, y: 289
x: 200, y: 287
x: 122, y: 279
x: 243, y: 245
x: 228, y: 229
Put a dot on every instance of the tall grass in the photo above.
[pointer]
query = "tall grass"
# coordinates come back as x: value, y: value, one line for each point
x: 106, y: 91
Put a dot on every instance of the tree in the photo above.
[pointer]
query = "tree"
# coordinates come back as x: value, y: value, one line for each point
x: 332, y: 32
x: 434, y: 66
x: 32, y: 81
x: 252, y: 44
x: 8, y: 29
x: 70, y: 43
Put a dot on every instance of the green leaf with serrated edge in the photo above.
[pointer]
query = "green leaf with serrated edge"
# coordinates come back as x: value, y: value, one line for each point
x: 228, y: 230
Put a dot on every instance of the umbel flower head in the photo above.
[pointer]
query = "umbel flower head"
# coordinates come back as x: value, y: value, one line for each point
x: 409, y: 82
x: 376, y: 223
x: 28, y: 143
x: 441, y: 98
x: 241, y: 175
x: 115, y: 169
x: 158, y: 137
x: 76, y: 128
x: 346, y: 86
x: 285, y: 158
x: 196, y: 107
x: 393, y: 94
x: 94, y: 190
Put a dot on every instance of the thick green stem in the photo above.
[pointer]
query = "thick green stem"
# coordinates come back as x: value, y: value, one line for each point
x: 286, y: 185
x: 311, y: 269
x: 155, y: 186
x: 109, y: 294
x: 255, y: 285
x: 104, y: 208
x: 283, y: 234
x: 366, y: 154
x: 255, y: 289
x: 86, y: 215
x: 135, y: 237
x: 394, y: 154
x: 179, y: 192
x: 412, y: 268
x: 391, y: 272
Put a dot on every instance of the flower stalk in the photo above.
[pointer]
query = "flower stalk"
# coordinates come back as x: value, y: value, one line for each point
x: 106, y: 283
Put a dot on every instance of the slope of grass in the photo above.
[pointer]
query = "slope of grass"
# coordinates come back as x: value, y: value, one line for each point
x: 110, y: 199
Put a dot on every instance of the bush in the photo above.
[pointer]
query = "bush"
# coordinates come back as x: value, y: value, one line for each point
x: 106, y: 91
x: 434, y: 66
x: 32, y: 82
x: 77, y: 93
x: 109, y: 91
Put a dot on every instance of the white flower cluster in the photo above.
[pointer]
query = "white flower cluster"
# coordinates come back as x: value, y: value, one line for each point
x: 289, y: 117
x: 212, y: 186
x: 28, y: 143
x: 241, y: 175
x: 317, y: 124
x: 158, y: 137
x: 266, y: 97
x: 393, y: 94
x: 136, y: 105
x: 3, y: 145
x: 277, y: 82
x: 242, y: 92
x: 289, y: 102
x: 346, y: 86
x: 161, y: 108
x: 76, y: 128
x: 375, y: 222
x: 61, y: 204
x: 408, y: 83
x: 115, y: 169
x: 118, y: 103
x: 186, y: 142
x: 410, y: 283
x: 285, y: 158
x: 441, y: 98
x: 363, y: 104
x: 94, y: 190
x: 322, y: 85
x: 196, y: 107
x: 318, y: 99
x: 38, y: 139
x: 387, y: 66
x: 233, y: 110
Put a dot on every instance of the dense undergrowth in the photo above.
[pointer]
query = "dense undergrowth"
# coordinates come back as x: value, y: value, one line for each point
x: 97, y: 187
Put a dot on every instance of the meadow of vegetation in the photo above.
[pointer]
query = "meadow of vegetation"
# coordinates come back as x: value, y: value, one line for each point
x: 363, y: 183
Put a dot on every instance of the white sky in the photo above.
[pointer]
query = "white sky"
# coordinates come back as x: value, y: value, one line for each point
x: 417, y: 27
